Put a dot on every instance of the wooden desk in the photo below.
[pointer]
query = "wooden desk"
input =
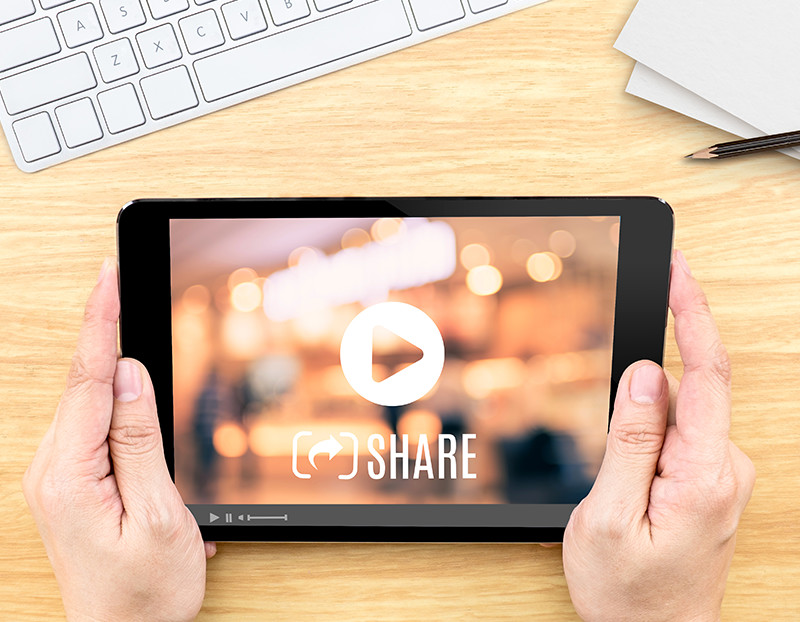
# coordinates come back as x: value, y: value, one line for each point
x: 531, y: 104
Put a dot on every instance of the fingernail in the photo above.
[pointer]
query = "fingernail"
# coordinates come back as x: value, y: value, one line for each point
x: 127, y: 382
x: 646, y: 384
x: 682, y: 262
x: 103, y: 270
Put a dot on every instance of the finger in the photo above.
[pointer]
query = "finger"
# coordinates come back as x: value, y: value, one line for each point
x: 83, y: 415
x: 745, y: 476
x: 211, y: 549
x: 704, y: 398
x: 41, y: 459
x: 634, y: 443
x: 45, y: 448
x: 674, y: 384
x: 134, y: 441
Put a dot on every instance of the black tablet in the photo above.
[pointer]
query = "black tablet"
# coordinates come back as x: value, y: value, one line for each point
x: 403, y: 369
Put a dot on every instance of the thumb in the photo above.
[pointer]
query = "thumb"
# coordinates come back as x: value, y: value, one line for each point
x: 635, y: 438
x: 134, y: 442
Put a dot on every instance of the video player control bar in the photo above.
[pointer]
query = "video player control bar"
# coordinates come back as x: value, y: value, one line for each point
x: 412, y: 515
x: 228, y: 517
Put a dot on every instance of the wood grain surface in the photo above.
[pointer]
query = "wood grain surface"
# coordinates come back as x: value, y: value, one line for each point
x: 531, y: 104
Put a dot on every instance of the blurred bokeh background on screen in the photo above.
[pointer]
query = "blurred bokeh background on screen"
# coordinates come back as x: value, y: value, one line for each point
x: 526, y: 310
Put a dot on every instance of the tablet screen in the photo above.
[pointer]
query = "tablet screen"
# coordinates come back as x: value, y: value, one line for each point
x: 391, y: 371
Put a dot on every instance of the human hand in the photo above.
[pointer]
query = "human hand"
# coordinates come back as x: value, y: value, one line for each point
x: 122, y: 543
x: 654, y: 538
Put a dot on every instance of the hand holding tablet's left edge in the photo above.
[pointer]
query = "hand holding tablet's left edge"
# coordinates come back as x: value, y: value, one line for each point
x: 654, y: 538
x: 122, y: 543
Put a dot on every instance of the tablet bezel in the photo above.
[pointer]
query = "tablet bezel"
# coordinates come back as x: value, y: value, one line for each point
x: 143, y: 242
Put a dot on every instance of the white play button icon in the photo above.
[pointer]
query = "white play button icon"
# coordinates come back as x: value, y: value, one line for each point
x: 410, y: 324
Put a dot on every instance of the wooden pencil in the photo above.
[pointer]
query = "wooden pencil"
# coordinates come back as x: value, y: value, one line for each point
x: 750, y: 145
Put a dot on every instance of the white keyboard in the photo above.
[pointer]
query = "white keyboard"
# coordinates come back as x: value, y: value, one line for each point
x: 77, y: 76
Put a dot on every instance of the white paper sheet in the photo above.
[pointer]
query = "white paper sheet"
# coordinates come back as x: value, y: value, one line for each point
x: 739, y: 55
x: 654, y: 87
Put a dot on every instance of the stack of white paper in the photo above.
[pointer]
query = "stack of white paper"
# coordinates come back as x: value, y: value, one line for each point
x: 729, y: 63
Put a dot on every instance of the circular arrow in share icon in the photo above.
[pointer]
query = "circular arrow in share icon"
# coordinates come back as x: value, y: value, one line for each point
x: 330, y: 446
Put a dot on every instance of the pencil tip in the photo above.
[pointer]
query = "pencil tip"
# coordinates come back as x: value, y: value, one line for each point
x: 703, y: 154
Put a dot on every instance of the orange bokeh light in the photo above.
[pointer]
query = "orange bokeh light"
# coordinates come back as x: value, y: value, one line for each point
x: 562, y: 243
x: 230, y: 441
x: 241, y: 275
x: 196, y: 299
x: 384, y: 228
x: 543, y: 267
x: 418, y: 421
x: 484, y: 280
x: 474, y: 255
x: 354, y: 238
x: 246, y: 296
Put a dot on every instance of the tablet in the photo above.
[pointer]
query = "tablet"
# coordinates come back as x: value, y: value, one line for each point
x: 403, y: 369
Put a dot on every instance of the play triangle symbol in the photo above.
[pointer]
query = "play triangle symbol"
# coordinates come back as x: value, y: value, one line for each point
x: 414, y: 356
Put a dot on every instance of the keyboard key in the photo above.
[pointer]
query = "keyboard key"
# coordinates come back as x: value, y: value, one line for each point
x: 244, y: 18
x: 49, y: 4
x: 121, y: 108
x: 432, y: 13
x: 169, y: 92
x: 79, y: 123
x: 324, y: 5
x: 476, y: 6
x: 116, y: 60
x: 37, y: 137
x: 164, y: 8
x: 201, y: 32
x: 159, y: 46
x: 15, y: 9
x: 285, y: 11
x: 28, y: 43
x: 47, y: 83
x: 316, y: 43
x: 122, y: 15
x: 80, y: 25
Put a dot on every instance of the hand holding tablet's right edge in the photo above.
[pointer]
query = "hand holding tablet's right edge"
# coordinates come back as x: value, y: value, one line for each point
x: 654, y: 538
